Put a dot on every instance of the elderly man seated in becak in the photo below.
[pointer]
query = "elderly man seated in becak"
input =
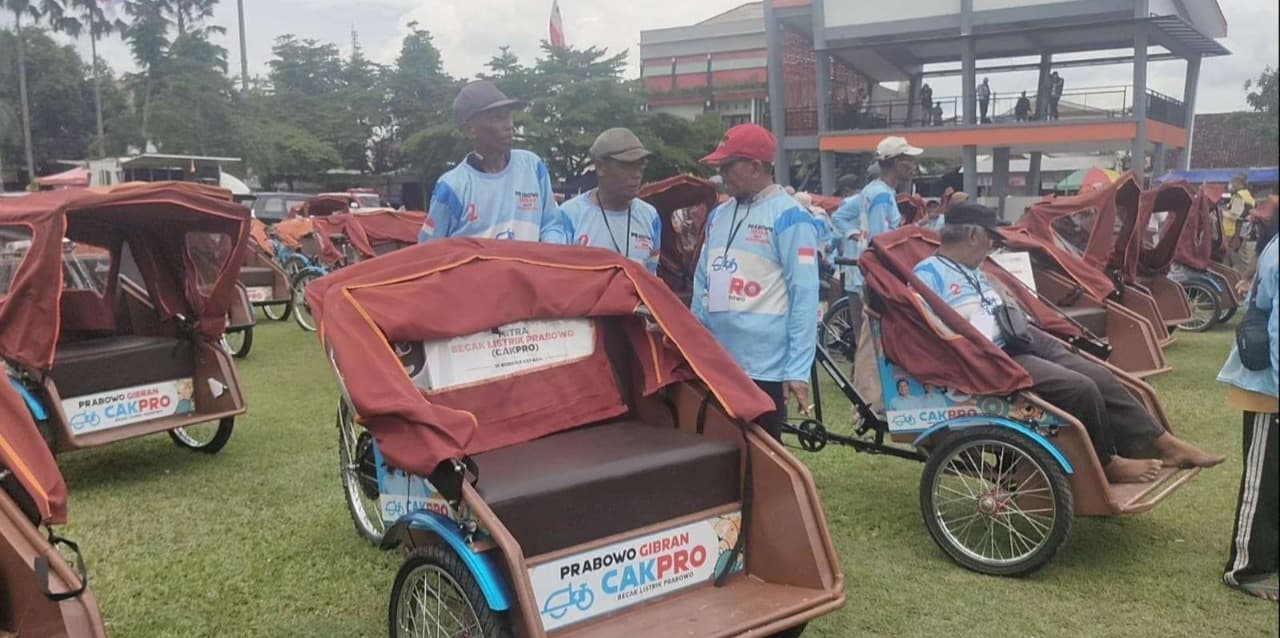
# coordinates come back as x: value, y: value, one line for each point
x: 1116, y: 422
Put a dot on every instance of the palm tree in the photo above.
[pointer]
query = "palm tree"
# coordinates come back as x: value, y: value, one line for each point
x: 148, y: 38
x: 92, y: 14
x: 52, y: 12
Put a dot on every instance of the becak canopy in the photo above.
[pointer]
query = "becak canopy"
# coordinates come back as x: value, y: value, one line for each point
x: 291, y: 231
x: 1048, y: 219
x: 1174, y: 198
x: 367, y: 229
x: 1092, y: 282
x: 953, y: 354
x: 462, y: 286
x: 911, y: 207
x: 681, y: 246
x: 1195, y: 244
x: 323, y: 205
x: 188, y: 241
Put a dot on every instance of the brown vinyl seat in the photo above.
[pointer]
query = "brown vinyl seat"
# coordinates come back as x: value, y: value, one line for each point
x: 1094, y: 319
x: 253, y: 276
x: 111, y: 363
x: 589, y: 483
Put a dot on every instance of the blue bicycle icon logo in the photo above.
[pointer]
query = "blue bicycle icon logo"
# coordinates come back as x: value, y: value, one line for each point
x: 728, y: 264
x: 394, y: 509
x: 84, y: 420
x: 559, y: 602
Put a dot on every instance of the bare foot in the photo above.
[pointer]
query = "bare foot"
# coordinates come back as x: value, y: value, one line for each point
x: 1175, y: 452
x: 1122, y: 470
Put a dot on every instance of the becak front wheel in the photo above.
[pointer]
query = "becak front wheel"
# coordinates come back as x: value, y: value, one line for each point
x: 995, y: 501
x: 435, y: 595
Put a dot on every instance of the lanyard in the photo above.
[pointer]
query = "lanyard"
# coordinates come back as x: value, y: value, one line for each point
x: 973, y: 281
x: 605, y: 216
x: 735, y: 225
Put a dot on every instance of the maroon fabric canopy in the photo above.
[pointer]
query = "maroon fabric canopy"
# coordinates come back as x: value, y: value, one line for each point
x: 1174, y: 198
x: 1103, y: 241
x: 911, y: 207
x: 462, y: 286
x: 960, y: 357
x: 679, y: 258
x: 322, y: 205
x: 1092, y: 281
x: 187, y: 240
x: 1195, y: 245
x: 916, y: 246
x: 365, y: 229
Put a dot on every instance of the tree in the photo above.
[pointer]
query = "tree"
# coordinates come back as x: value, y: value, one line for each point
x: 193, y: 102
x: 148, y: 39
x: 52, y: 12
x: 91, y: 14
x: 59, y: 93
x: 419, y: 92
x: 189, y: 16
x: 1265, y: 98
x: 677, y: 144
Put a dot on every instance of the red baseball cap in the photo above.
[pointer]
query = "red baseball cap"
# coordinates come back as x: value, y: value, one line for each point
x: 744, y: 141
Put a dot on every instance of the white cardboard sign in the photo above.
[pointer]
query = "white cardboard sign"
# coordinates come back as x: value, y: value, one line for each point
x: 600, y: 581
x: 505, y: 351
x: 116, y: 408
x: 1019, y: 265
x: 259, y: 294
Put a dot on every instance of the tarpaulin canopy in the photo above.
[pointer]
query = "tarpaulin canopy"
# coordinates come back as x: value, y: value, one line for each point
x: 462, y: 286
x: 24, y: 453
x: 77, y: 177
x: 258, y: 233
x: 366, y: 230
x: 828, y: 203
x: 956, y: 357
x: 1266, y: 175
x: 680, y: 248
x: 1176, y: 199
x: 1202, y: 230
x: 1087, y: 179
x: 188, y: 241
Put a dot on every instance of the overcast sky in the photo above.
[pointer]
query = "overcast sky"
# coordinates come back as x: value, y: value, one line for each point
x: 469, y: 32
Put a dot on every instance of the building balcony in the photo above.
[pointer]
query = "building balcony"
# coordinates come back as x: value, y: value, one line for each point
x: 1094, y: 104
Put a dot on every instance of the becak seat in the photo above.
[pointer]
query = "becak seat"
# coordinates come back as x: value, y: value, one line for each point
x: 91, y: 366
x: 593, y: 482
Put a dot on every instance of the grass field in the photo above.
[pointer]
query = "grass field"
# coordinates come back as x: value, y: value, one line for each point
x: 256, y: 540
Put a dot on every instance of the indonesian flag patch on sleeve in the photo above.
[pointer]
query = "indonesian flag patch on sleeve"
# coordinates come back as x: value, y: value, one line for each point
x: 805, y: 255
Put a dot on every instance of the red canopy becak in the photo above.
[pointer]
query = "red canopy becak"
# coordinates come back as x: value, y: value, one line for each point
x: 959, y: 357
x: 680, y: 250
x: 1102, y: 244
x: 75, y: 178
x: 1195, y: 245
x: 1092, y: 282
x: 187, y: 241
x: 462, y: 286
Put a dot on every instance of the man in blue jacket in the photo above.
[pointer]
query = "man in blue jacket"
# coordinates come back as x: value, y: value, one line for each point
x: 611, y: 216
x: 756, y: 284
x: 495, y: 192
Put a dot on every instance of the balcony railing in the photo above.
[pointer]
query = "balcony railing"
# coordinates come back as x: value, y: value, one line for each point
x: 1090, y: 103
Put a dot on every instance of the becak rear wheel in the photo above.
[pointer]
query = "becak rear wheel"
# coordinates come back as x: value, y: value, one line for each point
x: 204, y: 437
x: 996, y: 502
x: 435, y: 595
x: 1206, y: 306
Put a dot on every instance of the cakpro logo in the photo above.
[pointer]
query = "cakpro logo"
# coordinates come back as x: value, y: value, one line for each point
x: 724, y: 263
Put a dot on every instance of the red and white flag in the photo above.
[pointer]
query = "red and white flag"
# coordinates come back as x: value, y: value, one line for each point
x: 805, y: 255
x: 557, y: 26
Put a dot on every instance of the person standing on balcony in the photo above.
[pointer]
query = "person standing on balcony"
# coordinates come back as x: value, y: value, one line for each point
x: 1022, y: 109
x: 984, y: 100
x: 872, y: 212
x: 1055, y: 94
x: 937, y: 114
x: 926, y: 104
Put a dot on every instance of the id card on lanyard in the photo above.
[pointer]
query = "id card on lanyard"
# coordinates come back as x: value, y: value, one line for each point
x: 723, y: 266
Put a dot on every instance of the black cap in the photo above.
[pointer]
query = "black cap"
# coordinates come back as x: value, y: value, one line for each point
x: 478, y: 97
x: 974, y: 214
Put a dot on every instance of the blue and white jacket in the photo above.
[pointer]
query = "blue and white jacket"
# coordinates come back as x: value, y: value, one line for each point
x: 766, y: 252
x: 586, y: 224
x: 871, y: 212
x: 1267, y: 297
x: 516, y: 203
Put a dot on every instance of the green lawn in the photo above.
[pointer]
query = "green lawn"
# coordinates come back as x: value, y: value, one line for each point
x: 256, y: 541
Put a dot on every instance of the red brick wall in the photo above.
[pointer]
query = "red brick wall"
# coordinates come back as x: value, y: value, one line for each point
x: 1233, y: 140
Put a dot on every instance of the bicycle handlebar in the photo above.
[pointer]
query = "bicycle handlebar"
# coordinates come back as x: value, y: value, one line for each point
x: 846, y: 261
